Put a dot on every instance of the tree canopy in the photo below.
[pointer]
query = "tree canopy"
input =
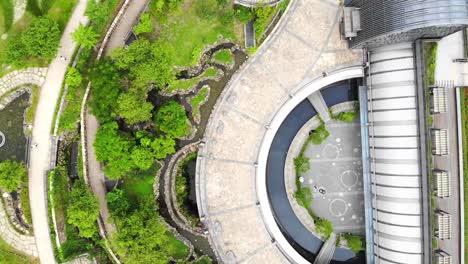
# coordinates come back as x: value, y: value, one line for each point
x: 113, y: 148
x: 85, y: 36
x: 11, y: 173
x: 42, y: 38
x: 133, y: 107
x: 163, y: 146
x: 145, y: 25
x: 107, y: 86
x: 171, y: 119
x: 83, y: 211
x: 73, y: 77
x: 148, y: 63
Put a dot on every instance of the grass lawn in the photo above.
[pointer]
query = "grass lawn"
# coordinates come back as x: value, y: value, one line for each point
x: 9, y: 255
x: 223, y: 56
x: 198, y: 24
x: 185, y: 84
x: 197, y: 100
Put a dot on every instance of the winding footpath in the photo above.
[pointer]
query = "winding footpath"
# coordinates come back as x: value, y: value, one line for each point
x: 40, y: 155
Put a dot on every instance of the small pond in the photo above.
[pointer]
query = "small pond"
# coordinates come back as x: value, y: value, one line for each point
x: 11, y: 128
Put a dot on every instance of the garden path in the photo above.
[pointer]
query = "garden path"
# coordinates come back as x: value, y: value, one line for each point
x: 40, y: 155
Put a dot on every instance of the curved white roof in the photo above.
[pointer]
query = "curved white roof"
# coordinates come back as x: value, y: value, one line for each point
x: 394, y: 154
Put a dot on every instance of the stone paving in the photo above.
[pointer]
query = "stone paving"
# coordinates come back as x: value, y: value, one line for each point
x: 17, y: 79
x: 305, y: 43
x: 23, y: 243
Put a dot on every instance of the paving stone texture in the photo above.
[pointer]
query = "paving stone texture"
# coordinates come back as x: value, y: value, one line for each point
x: 305, y: 44
x: 10, y: 83
x: 23, y: 243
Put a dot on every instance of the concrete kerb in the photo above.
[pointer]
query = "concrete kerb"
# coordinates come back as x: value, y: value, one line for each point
x: 280, y: 115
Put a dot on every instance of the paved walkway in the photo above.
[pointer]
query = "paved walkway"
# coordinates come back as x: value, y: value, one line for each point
x: 96, y: 175
x: 125, y: 25
x: 15, y: 79
x: 326, y: 252
x: 295, y: 53
x: 316, y: 99
x: 40, y: 156
x: 23, y: 243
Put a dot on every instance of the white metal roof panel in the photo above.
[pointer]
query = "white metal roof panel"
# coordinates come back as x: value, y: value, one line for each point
x: 402, y: 231
x: 399, y: 130
x: 402, y: 181
x: 395, y: 192
x: 401, y: 245
x: 398, y: 208
x: 394, y: 115
x: 396, y: 169
x: 398, y: 256
x: 397, y: 154
x: 408, y: 220
x: 395, y: 142
x: 393, y: 103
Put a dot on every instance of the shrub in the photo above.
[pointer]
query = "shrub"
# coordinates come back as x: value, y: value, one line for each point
x: 171, y: 119
x: 11, y: 173
x: 323, y: 226
x: 243, y: 14
x: 42, y: 38
x: 302, y: 164
x: 85, y: 36
x: 354, y: 242
x: 73, y: 77
x: 83, y: 211
x: 304, y: 197
x: 319, y: 135
x: 347, y: 117
x: 144, y: 26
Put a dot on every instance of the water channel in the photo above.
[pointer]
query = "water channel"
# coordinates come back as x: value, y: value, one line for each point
x: 11, y: 130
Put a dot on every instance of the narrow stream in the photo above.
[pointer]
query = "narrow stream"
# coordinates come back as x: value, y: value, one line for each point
x: 201, y: 244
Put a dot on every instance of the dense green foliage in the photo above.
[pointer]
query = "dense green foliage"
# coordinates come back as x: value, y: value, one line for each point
x: 142, y: 236
x: 11, y: 173
x: 203, y: 260
x: 133, y: 108
x: 85, y: 36
x: 106, y: 89
x: 347, y: 117
x: 113, y: 148
x: 318, y: 135
x: 147, y: 63
x: 40, y: 40
x: 73, y: 77
x: 354, y: 242
x: 99, y: 13
x: 302, y: 164
x: 163, y: 146
x: 323, y: 227
x: 304, y: 197
x: 171, y: 119
x: 145, y: 25
x: 84, y: 210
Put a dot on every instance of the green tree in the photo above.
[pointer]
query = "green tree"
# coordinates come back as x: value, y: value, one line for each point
x: 83, y: 210
x: 243, y: 14
x: 118, y: 202
x: 143, y: 157
x: 107, y: 86
x: 148, y: 64
x: 133, y: 108
x: 113, y: 148
x: 97, y: 13
x: 85, y: 36
x: 163, y: 146
x: 42, y: 38
x: 11, y: 173
x: 145, y: 25
x: 73, y: 77
x: 171, y: 119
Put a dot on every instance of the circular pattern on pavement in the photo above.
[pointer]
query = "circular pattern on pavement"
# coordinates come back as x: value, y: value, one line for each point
x: 349, y: 178
x: 338, y: 207
x: 330, y: 151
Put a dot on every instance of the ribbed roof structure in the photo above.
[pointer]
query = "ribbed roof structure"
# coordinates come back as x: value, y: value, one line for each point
x: 394, y: 21
x: 394, y: 156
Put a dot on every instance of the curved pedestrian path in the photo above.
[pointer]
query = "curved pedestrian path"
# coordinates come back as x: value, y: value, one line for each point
x: 23, y: 243
x: 41, y: 135
x: 10, y: 82
x: 295, y: 54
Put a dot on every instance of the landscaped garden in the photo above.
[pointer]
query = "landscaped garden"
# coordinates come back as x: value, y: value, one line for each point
x: 464, y: 118
x: 32, y: 40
